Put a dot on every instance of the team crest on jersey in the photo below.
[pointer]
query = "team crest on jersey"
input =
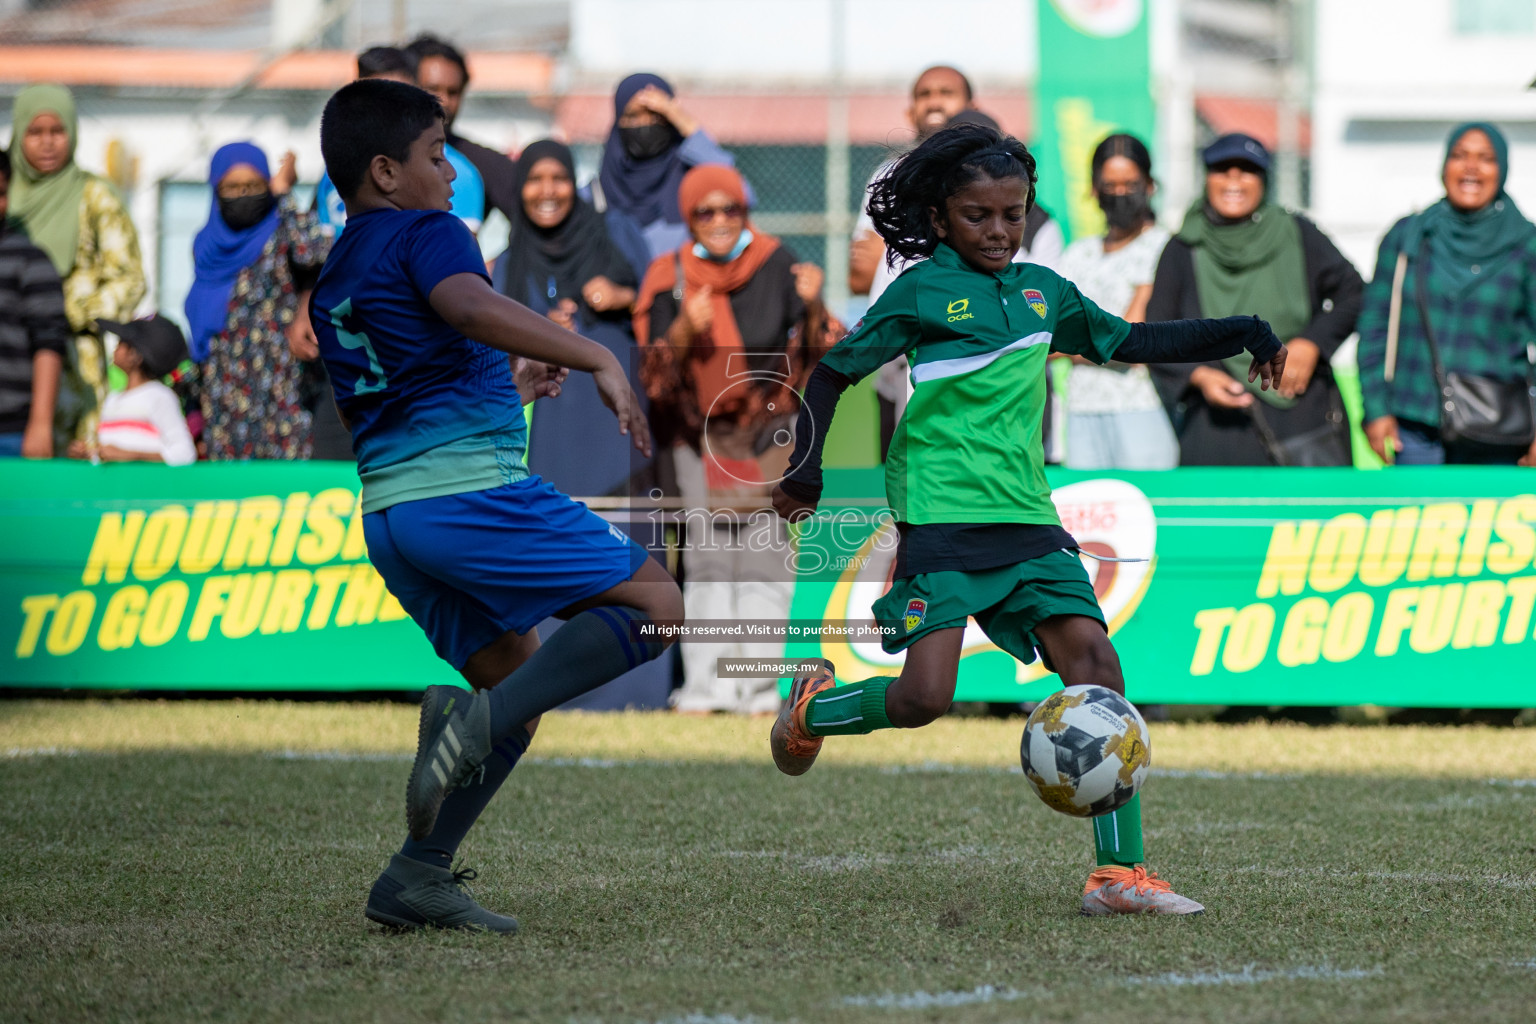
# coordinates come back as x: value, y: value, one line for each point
x: 1036, y: 301
x: 917, y: 611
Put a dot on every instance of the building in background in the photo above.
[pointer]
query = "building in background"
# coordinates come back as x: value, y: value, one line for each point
x: 1392, y: 78
x: 161, y: 84
x: 1353, y: 97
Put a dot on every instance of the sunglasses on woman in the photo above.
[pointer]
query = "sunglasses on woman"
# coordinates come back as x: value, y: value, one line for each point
x: 731, y: 211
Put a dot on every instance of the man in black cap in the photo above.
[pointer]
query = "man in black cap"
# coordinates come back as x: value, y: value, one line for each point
x: 142, y: 423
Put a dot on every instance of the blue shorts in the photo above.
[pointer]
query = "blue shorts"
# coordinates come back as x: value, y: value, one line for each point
x: 469, y: 567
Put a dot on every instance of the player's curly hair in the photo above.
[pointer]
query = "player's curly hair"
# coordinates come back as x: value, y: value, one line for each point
x: 946, y: 162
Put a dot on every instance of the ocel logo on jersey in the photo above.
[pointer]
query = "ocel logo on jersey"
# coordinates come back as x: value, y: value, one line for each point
x: 917, y: 611
x: 958, y: 310
x: 1036, y: 301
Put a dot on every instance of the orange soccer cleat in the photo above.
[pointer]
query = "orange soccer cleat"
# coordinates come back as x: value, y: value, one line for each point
x: 794, y: 748
x: 1120, y: 890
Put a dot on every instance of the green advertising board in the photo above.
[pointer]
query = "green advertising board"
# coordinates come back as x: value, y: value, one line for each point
x: 222, y: 576
x: 1095, y: 78
x: 1407, y: 587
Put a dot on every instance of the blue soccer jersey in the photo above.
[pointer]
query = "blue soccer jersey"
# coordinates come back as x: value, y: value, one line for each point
x: 432, y: 412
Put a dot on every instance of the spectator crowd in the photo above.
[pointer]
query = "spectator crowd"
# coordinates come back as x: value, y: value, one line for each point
x: 657, y: 259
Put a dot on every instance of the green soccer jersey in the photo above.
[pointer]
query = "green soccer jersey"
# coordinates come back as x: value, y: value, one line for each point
x: 968, y: 448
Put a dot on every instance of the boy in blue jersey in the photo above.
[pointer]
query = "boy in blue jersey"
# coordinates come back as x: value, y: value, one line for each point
x: 396, y: 65
x: 476, y: 549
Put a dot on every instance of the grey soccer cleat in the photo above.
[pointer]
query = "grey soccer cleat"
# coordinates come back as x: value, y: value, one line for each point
x: 411, y: 895
x: 454, y: 737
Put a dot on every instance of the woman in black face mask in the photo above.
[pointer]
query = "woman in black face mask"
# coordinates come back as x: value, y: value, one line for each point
x: 1114, y: 417
x: 247, y: 258
x: 652, y: 145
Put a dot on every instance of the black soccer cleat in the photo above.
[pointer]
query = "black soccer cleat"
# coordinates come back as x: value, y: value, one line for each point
x: 410, y: 895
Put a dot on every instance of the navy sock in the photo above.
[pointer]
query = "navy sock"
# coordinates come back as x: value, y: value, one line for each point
x: 462, y: 808
x: 594, y: 647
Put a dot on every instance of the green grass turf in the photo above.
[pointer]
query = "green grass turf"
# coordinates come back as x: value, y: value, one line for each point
x: 193, y: 861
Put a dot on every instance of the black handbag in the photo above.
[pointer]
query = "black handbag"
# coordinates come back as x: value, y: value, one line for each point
x: 1325, y: 445
x: 1497, y: 413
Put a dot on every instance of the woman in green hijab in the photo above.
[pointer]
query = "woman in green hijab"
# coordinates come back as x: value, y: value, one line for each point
x: 1239, y: 254
x: 79, y: 221
x: 1471, y: 258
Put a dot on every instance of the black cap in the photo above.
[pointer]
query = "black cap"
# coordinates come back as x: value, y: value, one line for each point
x: 1237, y: 146
x: 158, y: 341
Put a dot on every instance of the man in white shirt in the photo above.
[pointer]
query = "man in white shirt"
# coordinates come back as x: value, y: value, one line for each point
x: 941, y: 97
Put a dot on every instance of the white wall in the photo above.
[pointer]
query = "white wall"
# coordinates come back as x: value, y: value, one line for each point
x: 783, y: 40
x: 1392, y: 78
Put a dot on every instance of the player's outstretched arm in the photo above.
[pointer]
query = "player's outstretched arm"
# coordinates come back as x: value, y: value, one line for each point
x: 799, y: 492
x: 473, y: 308
x: 1199, y: 341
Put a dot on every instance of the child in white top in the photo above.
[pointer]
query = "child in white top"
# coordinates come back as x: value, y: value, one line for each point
x: 144, y: 422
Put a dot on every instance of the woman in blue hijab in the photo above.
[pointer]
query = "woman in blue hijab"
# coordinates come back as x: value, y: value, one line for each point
x: 1469, y: 262
x: 246, y: 260
x: 652, y: 145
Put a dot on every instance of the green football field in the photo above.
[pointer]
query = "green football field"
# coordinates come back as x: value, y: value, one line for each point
x: 190, y: 861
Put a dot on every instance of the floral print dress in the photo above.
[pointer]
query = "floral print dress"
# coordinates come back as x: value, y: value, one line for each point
x: 251, y: 382
x: 106, y: 283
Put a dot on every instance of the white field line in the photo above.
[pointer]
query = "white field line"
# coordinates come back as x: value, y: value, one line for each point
x: 925, y: 768
x: 339, y: 755
x: 832, y: 863
x: 941, y: 1000
x: 1423, y: 877
x: 1249, y: 975
x: 944, y: 768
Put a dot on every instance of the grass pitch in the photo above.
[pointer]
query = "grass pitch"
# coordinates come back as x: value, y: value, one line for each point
x: 209, y: 861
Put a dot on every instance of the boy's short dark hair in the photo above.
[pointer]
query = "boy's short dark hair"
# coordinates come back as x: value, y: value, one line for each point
x: 428, y: 45
x: 384, y: 60
x: 5, y: 164
x: 373, y: 117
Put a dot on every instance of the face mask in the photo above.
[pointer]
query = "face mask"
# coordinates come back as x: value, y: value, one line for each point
x: 736, y: 250
x: 245, y: 211
x: 647, y: 140
x: 1125, y: 212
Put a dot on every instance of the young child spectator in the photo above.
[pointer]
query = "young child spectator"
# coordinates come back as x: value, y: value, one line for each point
x: 34, y: 331
x: 144, y: 422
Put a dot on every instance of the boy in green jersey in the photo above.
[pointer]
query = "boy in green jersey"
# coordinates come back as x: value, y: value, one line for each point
x: 965, y: 477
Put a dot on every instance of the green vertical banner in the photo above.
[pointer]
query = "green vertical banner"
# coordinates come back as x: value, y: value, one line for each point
x: 1095, y: 78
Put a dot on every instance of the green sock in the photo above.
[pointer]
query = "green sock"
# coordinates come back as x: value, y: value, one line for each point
x: 852, y: 709
x: 1117, y: 835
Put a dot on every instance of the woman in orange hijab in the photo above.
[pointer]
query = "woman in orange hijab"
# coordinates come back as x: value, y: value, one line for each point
x: 744, y: 322
x: 730, y: 326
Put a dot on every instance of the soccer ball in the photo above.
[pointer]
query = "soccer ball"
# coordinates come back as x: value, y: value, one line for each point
x: 1085, y: 751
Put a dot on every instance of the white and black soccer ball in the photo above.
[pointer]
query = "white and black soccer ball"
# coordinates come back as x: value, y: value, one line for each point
x: 1085, y: 751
